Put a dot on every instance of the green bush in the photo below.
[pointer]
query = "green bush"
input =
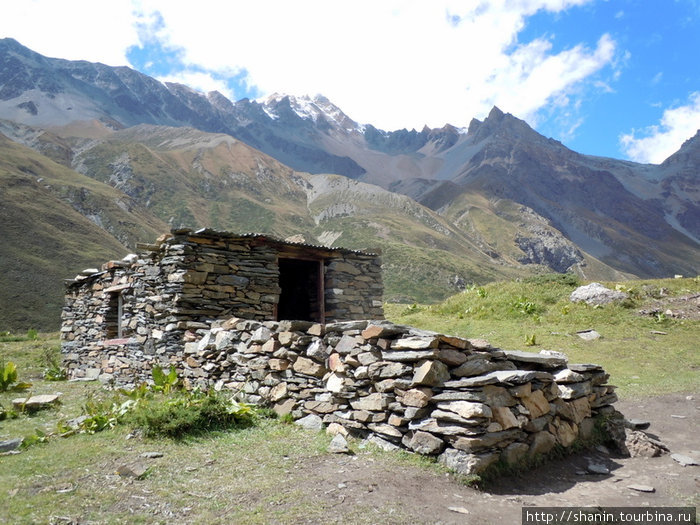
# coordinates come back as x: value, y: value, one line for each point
x: 185, y: 413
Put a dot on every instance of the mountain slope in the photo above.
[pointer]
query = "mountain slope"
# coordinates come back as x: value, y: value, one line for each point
x: 498, y: 199
x: 54, y: 223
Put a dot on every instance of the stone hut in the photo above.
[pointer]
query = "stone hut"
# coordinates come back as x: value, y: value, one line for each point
x: 300, y: 328
x: 187, y: 279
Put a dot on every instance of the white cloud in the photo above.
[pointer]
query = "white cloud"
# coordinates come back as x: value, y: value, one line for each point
x: 393, y: 63
x: 656, y: 143
x: 199, y: 81
x: 72, y: 29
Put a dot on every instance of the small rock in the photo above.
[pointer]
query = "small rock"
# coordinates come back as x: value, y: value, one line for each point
x: 685, y: 461
x: 641, y: 488
x: 136, y: 471
x: 338, y: 445
x: 10, y: 444
x: 641, y: 444
x: 588, y: 335
x: 152, y: 455
x: 677, y: 416
x: 637, y: 424
x: 597, y: 468
x: 458, y: 510
x: 310, y: 422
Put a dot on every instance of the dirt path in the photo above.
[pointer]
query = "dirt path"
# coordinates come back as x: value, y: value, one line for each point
x: 348, y: 484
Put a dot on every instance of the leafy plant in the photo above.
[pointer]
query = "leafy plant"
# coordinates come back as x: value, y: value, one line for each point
x: 53, y: 371
x: 39, y: 436
x: 32, y: 335
x: 8, y: 376
x: 164, y: 382
x: 530, y: 340
x: 525, y: 306
x: 8, y: 414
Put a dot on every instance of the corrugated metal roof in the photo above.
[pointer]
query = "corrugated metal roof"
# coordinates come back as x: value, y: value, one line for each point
x: 208, y: 232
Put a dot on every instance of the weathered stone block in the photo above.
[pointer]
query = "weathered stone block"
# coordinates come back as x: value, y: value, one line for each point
x: 536, y: 404
x: 423, y: 443
x: 309, y: 367
x: 416, y: 397
x: 376, y: 401
x: 465, y: 463
x: 488, y: 440
x: 542, y: 442
x: 466, y: 409
x: 505, y: 417
x: 431, y: 373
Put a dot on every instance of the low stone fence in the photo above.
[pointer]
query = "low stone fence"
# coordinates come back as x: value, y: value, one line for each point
x: 460, y: 399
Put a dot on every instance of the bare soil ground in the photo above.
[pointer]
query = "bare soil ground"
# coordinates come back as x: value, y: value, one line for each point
x: 424, y: 497
x: 682, y: 307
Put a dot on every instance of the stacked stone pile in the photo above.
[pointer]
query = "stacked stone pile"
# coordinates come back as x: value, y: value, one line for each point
x: 461, y: 399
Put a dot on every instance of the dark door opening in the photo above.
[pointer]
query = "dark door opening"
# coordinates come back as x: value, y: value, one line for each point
x: 301, y: 298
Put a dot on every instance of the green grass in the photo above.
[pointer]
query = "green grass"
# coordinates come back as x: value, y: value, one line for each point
x: 506, y: 314
x: 267, y: 473
x: 254, y: 475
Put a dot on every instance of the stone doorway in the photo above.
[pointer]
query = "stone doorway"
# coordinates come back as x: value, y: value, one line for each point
x: 301, y: 298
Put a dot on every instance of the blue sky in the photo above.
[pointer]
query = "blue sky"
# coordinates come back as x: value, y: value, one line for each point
x: 618, y: 78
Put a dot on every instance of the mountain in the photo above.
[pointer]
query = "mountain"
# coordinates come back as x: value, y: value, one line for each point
x: 447, y: 206
x: 104, y: 190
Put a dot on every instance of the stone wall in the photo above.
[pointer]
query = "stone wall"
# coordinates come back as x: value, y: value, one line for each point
x: 462, y: 400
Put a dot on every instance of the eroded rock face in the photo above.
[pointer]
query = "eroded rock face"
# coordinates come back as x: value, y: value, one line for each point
x: 548, y: 249
x: 596, y: 294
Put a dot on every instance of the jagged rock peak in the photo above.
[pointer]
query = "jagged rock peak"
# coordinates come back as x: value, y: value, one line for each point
x: 505, y: 125
x: 689, y: 152
x: 308, y: 108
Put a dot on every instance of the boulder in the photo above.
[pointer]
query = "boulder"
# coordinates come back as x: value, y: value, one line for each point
x: 596, y: 294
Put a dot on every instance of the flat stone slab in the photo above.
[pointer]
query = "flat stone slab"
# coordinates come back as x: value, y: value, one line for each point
x: 515, y: 377
x: 685, y: 461
x: 35, y: 402
x: 545, y: 360
x: 588, y: 335
x: 588, y: 367
x: 641, y: 488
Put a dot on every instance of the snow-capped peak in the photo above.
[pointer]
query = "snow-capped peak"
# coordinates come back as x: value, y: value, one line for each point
x: 310, y: 108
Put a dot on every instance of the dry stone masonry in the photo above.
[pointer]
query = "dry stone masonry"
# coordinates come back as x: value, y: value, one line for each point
x: 461, y: 400
x: 188, y: 278
x: 213, y: 306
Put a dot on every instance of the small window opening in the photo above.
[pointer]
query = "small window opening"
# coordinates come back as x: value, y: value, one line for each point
x: 301, y: 298
x: 113, y: 316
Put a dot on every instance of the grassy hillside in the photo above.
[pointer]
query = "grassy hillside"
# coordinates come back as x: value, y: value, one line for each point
x: 46, y: 236
x: 645, y: 354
